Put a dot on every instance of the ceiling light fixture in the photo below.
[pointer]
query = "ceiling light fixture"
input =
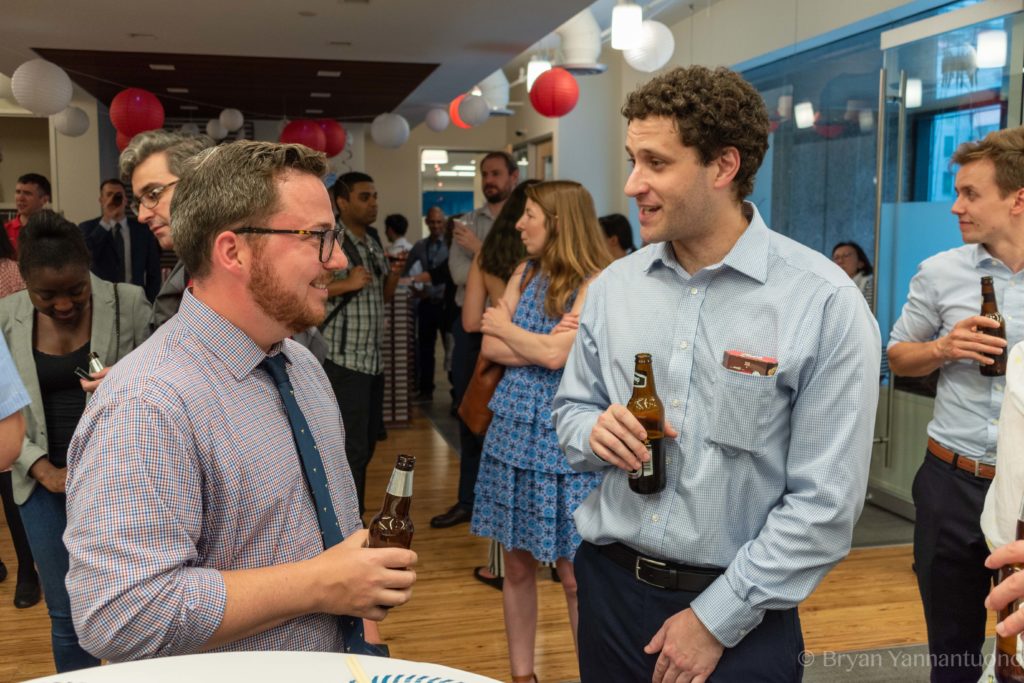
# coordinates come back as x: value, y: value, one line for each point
x: 534, y: 69
x: 326, y: 73
x: 181, y: 91
x: 913, y: 94
x: 991, y: 49
x: 804, y: 114
x: 434, y: 156
x: 627, y: 17
x: 447, y: 174
x: 161, y: 67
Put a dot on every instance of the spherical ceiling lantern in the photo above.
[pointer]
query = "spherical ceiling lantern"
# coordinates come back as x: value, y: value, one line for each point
x: 71, y: 122
x: 42, y: 87
x: 216, y: 130
x: 474, y: 110
x: 438, y: 119
x: 189, y: 128
x: 134, y: 110
x: 231, y: 119
x: 555, y: 93
x: 123, y: 140
x: 453, y: 112
x: 334, y: 136
x: 654, y: 49
x: 389, y: 130
x: 5, y: 90
x: 304, y: 132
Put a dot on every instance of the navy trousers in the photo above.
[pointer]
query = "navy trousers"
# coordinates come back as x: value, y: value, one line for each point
x: 619, y: 615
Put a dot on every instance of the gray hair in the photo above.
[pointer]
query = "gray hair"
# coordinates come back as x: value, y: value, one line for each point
x: 228, y: 187
x: 178, y: 147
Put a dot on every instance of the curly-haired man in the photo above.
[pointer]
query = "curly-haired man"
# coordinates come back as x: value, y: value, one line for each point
x: 766, y: 468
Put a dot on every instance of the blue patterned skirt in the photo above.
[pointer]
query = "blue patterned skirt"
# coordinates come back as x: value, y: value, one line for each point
x: 528, y: 509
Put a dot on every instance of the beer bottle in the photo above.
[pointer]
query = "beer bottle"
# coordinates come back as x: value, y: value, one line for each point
x: 989, y: 309
x: 1009, y: 667
x: 392, y: 526
x: 646, y: 407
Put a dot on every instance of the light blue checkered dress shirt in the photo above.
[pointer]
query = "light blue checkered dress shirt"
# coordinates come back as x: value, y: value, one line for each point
x: 768, y: 474
x: 184, y: 466
x: 13, y: 396
x: 945, y: 290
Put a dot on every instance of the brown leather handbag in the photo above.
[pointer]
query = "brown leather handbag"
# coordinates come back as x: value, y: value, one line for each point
x: 473, y: 410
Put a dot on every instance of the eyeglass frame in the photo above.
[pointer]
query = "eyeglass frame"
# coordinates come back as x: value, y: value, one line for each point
x: 153, y: 195
x: 337, y: 231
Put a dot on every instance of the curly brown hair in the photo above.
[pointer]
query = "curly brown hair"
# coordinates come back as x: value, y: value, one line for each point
x: 713, y: 109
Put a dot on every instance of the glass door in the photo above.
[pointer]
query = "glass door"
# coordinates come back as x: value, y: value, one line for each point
x: 945, y: 80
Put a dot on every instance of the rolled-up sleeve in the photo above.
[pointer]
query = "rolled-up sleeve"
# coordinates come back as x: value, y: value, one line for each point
x: 134, y: 506
x: 920, y: 320
x: 809, y: 531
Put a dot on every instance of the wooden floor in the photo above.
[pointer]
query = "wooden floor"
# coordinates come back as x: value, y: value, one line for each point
x: 869, y: 601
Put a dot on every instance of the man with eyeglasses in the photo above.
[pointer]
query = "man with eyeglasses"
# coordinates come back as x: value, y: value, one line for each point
x: 153, y: 162
x: 355, y: 323
x: 210, y: 506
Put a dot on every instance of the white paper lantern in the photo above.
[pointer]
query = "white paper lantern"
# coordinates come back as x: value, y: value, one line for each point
x: 654, y: 49
x: 42, y: 87
x: 71, y: 122
x: 231, y: 119
x: 389, y: 130
x: 438, y: 119
x: 474, y: 110
x: 189, y: 129
x: 216, y: 130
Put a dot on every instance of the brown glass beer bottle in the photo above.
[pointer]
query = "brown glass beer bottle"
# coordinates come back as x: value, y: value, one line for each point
x: 1009, y: 667
x: 392, y: 526
x: 646, y: 407
x: 990, y: 309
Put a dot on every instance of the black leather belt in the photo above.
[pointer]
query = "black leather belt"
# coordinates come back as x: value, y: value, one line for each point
x: 660, y: 573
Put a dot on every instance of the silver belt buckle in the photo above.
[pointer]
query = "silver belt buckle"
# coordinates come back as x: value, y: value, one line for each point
x: 647, y: 561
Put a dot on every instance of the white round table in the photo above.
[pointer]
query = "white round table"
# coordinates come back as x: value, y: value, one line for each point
x: 266, y: 667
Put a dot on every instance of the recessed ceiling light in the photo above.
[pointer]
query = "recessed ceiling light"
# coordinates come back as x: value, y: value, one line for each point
x: 340, y: 43
x: 314, y: 111
x: 325, y: 73
x: 162, y: 67
x: 189, y: 107
x: 320, y: 95
x: 178, y: 90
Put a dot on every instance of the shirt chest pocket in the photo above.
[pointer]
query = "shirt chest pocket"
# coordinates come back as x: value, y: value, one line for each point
x: 749, y: 410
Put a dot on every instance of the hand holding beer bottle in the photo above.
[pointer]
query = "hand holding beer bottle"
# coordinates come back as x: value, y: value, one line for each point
x: 620, y: 439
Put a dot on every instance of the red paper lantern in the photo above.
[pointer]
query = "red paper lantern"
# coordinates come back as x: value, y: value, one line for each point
x: 135, y: 110
x: 304, y: 132
x: 123, y: 140
x: 554, y: 93
x: 334, y: 134
x: 453, y: 112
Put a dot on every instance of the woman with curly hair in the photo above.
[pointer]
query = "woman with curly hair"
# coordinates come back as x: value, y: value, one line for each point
x: 526, y: 492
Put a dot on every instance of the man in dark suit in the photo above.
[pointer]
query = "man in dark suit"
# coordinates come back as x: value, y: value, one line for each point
x: 123, y: 249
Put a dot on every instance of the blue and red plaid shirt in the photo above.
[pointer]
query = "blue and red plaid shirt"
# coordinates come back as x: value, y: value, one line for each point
x: 184, y: 466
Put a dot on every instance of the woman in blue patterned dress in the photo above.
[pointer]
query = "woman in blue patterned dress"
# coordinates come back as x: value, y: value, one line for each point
x: 526, y: 492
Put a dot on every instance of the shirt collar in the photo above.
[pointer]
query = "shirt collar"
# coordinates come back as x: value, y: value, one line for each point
x: 230, y: 345
x: 748, y: 256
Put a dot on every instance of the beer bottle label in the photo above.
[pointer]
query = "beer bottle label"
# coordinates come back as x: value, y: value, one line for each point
x: 646, y: 468
x: 639, y: 380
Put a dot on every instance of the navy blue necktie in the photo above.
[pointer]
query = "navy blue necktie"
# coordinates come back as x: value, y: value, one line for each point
x: 313, y: 468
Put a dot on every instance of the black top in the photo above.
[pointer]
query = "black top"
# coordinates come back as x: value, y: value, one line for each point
x: 63, y: 398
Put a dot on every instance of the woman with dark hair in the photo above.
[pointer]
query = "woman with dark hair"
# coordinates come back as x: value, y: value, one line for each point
x: 525, y: 491
x: 10, y: 278
x: 64, y: 315
x: 500, y: 253
x: 852, y: 259
x: 619, y: 233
